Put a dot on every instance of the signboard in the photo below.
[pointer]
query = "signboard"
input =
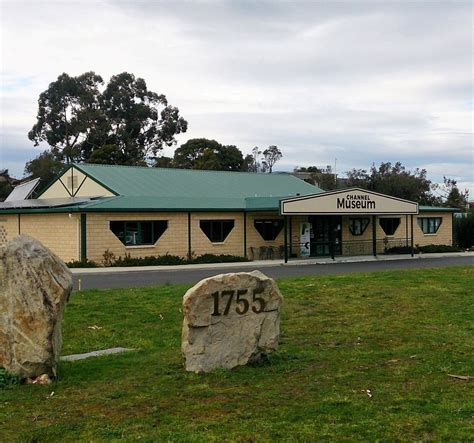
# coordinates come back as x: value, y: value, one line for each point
x: 347, y: 201
x: 305, y: 237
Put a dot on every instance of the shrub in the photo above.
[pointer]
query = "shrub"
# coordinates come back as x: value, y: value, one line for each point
x: 431, y: 249
x: 108, y: 258
x: 464, y: 230
x: 81, y: 264
x: 8, y: 379
x: 223, y: 258
x: 160, y: 260
x: 400, y: 250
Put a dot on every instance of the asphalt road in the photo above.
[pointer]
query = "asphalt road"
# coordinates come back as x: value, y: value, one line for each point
x: 190, y: 276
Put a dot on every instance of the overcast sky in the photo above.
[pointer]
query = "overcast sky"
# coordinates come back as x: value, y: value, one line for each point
x: 362, y: 82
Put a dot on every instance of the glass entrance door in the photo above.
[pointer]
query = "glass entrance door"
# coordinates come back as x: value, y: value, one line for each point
x: 326, y: 232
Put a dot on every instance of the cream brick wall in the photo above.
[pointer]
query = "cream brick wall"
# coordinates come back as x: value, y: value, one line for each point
x: 8, y: 228
x: 100, y: 238
x: 444, y: 236
x: 58, y: 232
x: 233, y: 244
x: 255, y: 240
x: 61, y: 233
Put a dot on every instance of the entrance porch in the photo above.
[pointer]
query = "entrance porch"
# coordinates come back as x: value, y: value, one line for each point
x: 347, y: 223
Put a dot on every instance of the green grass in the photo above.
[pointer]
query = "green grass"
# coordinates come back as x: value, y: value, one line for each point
x: 397, y: 334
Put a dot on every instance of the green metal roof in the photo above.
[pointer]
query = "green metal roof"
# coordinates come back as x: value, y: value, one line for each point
x: 437, y: 209
x: 188, y: 183
x: 144, y: 189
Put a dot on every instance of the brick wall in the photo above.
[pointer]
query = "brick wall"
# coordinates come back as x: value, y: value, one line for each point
x: 58, y: 232
x: 8, y: 228
x: 61, y: 233
x: 100, y: 238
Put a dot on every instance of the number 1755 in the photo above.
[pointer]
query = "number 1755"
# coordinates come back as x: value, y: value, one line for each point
x: 242, y: 304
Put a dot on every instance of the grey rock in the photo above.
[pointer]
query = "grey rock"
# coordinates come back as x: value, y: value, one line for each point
x: 34, y: 288
x: 219, y: 334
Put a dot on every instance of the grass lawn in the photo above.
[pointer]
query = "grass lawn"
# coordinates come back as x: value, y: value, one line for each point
x: 362, y: 357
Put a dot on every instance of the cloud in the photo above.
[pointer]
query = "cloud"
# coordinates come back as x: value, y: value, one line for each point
x: 361, y: 82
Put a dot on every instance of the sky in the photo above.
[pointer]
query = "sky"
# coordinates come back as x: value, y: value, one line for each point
x: 330, y: 83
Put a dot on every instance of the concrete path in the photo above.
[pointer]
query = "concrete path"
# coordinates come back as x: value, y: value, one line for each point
x: 75, y: 357
x: 189, y: 274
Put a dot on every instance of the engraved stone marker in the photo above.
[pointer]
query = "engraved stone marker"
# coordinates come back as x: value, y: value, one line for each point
x: 34, y: 288
x: 230, y: 320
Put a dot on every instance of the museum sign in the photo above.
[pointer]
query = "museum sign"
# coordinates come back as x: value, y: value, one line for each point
x: 347, y: 201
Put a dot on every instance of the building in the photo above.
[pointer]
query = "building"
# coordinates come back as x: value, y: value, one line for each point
x: 90, y: 209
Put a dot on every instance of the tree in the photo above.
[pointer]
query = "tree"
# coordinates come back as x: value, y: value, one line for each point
x: 201, y: 153
x: 5, y: 184
x: 324, y: 178
x: 463, y: 228
x: 125, y: 122
x: 135, y: 124
x: 395, y: 180
x: 188, y: 153
x: 271, y: 155
x: 230, y: 158
x: 252, y: 160
x: 454, y: 198
x: 67, y: 112
x: 163, y: 162
x: 45, y: 167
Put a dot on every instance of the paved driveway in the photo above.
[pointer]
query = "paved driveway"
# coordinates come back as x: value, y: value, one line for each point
x: 127, y: 279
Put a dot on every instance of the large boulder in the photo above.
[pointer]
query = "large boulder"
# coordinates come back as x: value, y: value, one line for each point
x: 230, y: 320
x: 34, y: 288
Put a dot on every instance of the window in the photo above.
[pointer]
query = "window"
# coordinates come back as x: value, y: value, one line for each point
x: 389, y: 225
x: 429, y: 225
x: 135, y: 233
x: 357, y: 226
x: 268, y: 229
x: 216, y: 230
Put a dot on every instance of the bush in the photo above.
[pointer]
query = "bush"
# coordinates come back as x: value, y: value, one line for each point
x: 431, y: 249
x: 400, y: 250
x: 160, y: 260
x: 464, y: 230
x: 8, y: 379
x: 223, y: 258
x: 81, y: 264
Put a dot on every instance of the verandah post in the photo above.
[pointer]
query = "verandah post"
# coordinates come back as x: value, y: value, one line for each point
x: 245, y: 234
x: 285, y: 227
x: 83, y: 238
x: 374, y: 235
x: 411, y: 228
x: 190, y: 251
